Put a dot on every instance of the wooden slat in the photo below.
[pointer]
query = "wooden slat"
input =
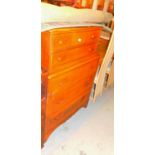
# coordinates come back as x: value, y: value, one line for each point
x: 95, y: 3
x: 106, y: 5
x: 111, y: 75
x: 103, y: 69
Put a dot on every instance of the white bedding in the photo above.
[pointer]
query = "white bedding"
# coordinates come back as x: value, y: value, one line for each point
x: 52, y: 13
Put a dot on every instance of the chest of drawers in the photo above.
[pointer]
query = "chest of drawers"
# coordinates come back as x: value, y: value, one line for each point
x: 69, y: 62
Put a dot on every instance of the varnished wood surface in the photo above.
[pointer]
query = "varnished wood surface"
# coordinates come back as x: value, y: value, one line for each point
x: 69, y: 78
x: 67, y: 56
x: 61, y: 99
x: 44, y: 81
x: 101, y: 48
x: 53, y: 122
x: 70, y: 61
x: 68, y: 38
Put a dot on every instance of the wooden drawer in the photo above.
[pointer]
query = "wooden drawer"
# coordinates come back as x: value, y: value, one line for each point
x: 57, y: 102
x: 66, y: 56
x: 53, y: 122
x: 59, y: 69
x: 69, y: 78
x: 68, y: 38
x: 65, y: 38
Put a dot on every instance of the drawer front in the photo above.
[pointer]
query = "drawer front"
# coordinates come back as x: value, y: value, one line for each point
x: 65, y: 38
x: 53, y: 122
x: 68, y: 79
x: 72, y: 38
x: 71, y: 65
x: 57, y: 102
x: 66, y: 56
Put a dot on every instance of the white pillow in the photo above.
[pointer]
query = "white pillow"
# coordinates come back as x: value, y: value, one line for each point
x: 52, y: 13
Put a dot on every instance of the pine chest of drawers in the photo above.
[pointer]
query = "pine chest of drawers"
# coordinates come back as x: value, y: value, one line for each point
x: 69, y: 62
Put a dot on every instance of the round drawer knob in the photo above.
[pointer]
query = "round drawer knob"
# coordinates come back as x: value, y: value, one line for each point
x: 61, y: 101
x: 79, y: 40
x: 59, y: 58
x: 91, y: 49
x: 61, y: 84
x: 92, y: 36
x: 60, y: 42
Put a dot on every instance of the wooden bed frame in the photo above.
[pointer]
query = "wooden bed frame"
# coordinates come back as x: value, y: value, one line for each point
x: 104, y: 70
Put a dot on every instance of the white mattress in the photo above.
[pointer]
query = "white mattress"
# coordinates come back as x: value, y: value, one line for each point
x: 54, y: 25
x: 52, y: 13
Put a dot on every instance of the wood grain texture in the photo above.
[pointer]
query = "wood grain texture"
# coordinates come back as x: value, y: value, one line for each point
x: 111, y: 75
x: 54, y: 122
x: 44, y: 82
x: 68, y: 78
x: 100, y: 5
x: 68, y: 38
x: 102, y: 48
x: 70, y: 60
